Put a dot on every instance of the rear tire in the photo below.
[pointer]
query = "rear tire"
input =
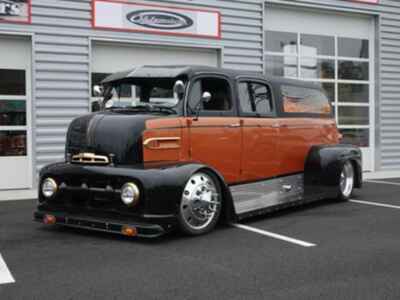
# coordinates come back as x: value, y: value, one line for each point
x: 346, y: 181
x: 201, y: 204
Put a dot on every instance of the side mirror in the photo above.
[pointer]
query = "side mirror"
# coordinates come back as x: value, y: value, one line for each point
x: 205, y: 98
x: 179, y: 89
x: 109, y: 104
x: 97, y: 90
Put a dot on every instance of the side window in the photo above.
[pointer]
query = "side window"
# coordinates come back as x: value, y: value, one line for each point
x: 255, y: 98
x: 221, y: 97
x: 304, y: 100
x: 246, y: 103
x: 262, y: 98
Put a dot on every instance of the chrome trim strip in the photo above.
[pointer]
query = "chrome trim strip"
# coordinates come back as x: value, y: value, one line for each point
x: 63, y: 186
x: 147, y: 143
x: 90, y: 158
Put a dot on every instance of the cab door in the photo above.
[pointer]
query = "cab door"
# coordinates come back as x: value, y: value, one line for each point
x: 260, y: 131
x: 214, y: 126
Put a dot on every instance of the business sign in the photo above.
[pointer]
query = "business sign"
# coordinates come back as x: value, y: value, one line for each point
x: 128, y: 16
x: 18, y: 11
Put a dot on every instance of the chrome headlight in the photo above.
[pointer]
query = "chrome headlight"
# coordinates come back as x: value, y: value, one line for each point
x: 49, y: 187
x: 130, y: 194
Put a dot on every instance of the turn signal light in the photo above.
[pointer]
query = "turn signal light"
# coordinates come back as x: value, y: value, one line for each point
x: 49, y: 220
x: 129, y: 231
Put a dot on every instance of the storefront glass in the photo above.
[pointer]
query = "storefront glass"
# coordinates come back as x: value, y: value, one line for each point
x: 340, y: 64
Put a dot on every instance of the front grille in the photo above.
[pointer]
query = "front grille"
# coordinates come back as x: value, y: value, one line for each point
x: 98, y: 195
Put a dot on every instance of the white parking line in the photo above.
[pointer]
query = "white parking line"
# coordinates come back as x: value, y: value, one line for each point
x: 5, y: 274
x: 274, y: 235
x: 375, y: 204
x: 383, y: 182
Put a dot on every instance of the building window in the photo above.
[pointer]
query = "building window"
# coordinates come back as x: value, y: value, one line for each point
x: 340, y: 64
x: 13, y: 126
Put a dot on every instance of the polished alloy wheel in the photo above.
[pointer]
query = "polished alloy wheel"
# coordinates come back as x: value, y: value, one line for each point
x: 347, y: 180
x: 201, y: 203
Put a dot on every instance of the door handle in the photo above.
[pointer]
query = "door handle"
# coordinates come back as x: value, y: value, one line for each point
x: 236, y: 125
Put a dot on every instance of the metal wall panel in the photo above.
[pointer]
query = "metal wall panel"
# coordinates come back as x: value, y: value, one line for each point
x: 387, y: 101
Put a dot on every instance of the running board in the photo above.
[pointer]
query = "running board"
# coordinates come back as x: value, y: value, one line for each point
x: 269, y: 193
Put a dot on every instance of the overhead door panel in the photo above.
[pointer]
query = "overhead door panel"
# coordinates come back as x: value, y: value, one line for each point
x: 108, y: 58
x: 335, y: 50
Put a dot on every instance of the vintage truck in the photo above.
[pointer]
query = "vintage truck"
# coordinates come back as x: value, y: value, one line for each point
x: 188, y: 146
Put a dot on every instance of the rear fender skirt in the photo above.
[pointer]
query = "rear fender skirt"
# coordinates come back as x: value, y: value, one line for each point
x: 324, y: 164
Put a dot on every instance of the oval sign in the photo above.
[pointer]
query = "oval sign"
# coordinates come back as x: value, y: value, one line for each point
x: 158, y: 19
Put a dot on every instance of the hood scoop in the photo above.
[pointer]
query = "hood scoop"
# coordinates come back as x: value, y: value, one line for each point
x: 90, y: 158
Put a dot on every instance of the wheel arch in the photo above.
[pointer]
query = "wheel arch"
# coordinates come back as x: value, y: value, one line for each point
x: 228, y: 214
x: 324, y: 164
x: 176, y: 177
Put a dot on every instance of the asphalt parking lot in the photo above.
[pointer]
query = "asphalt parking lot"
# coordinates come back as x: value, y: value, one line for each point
x: 327, y: 250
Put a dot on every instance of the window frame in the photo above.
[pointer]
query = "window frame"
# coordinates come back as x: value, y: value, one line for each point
x: 250, y: 80
x: 212, y: 113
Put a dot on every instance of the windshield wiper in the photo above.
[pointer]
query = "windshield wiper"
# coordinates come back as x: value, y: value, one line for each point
x: 165, y: 109
x: 151, y: 108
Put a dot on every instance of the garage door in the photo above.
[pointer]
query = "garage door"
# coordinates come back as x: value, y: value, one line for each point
x: 15, y: 137
x: 336, y: 50
x: 109, y: 58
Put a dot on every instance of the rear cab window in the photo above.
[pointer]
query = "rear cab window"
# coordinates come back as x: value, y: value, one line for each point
x: 255, y: 98
x: 304, y: 101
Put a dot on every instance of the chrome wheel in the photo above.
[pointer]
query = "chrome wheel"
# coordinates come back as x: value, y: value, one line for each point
x: 347, y: 180
x: 201, y: 203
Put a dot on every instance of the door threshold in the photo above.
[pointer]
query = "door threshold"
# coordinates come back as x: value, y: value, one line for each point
x: 11, y: 195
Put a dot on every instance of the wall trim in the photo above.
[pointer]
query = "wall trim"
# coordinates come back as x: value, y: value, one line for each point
x: 11, y: 195
x: 32, y: 106
x: 329, y: 7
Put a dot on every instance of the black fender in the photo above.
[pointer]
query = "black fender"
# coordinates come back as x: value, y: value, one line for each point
x: 324, y: 164
x: 161, y: 184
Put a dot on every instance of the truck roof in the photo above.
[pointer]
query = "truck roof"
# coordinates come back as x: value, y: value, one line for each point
x: 174, y: 71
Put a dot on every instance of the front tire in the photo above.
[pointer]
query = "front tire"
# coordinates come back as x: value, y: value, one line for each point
x: 201, y: 204
x: 346, y: 181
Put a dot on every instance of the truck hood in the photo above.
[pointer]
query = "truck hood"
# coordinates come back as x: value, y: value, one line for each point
x: 108, y: 133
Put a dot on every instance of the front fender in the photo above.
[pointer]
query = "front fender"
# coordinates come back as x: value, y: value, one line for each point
x: 324, y: 164
x: 161, y: 184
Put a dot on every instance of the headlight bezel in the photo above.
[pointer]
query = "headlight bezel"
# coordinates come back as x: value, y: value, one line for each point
x: 130, y: 194
x: 52, y: 185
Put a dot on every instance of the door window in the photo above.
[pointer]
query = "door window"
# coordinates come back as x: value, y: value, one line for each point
x: 221, y: 96
x: 13, y: 126
x: 255, y: 98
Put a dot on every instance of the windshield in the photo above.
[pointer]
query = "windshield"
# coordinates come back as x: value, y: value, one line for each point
x: 148, y: 93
